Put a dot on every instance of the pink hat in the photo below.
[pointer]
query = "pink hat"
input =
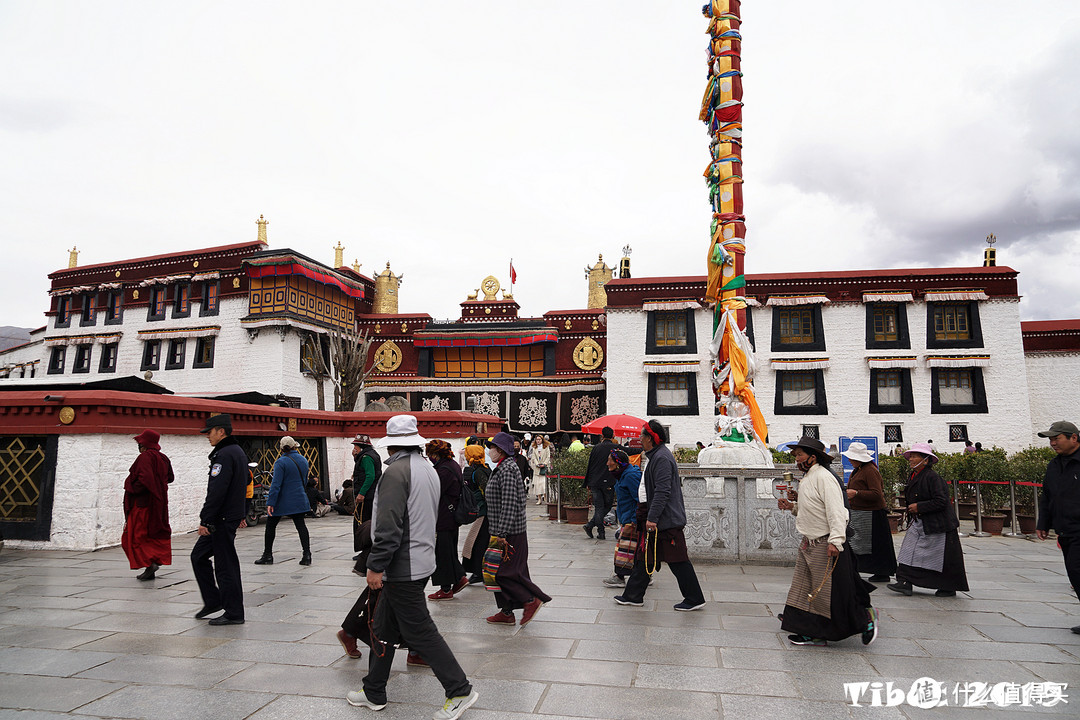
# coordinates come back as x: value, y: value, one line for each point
x: 923, y: 449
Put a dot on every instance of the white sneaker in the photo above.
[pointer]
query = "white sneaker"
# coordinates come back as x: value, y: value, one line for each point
x: 454, y: 707
x: 357, y: 698
x: 615, y: 581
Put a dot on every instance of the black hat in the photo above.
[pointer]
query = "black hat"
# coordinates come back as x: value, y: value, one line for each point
x: 224, y: 420
x: 815, y: 448
x: 1061, y: 427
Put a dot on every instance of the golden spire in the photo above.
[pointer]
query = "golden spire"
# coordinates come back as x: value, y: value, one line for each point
x: 598, y: 276
x: 356, y: 265
x: 386, y: 292
x: 339, y: 255
x: 262, y: 229
x: 73, y: 257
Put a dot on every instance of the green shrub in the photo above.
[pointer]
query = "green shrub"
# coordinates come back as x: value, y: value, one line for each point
x: 894, y: 473
x: 1029, y: 465
x: 686, y: 454
x: 575, y: 464
x: 782, y: 458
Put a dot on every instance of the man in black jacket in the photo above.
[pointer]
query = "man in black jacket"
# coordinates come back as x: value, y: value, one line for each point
x: 1059, y: 501
x: 601, y: 482
x: 220, y: 516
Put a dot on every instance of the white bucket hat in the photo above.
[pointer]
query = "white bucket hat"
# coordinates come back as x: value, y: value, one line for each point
x: 287, y: 442
x: 858, y: 451
x: 401, y: 432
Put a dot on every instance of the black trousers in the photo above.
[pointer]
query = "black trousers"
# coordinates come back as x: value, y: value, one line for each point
x: 219, y: 582
x: 448, y: 568
x: 401, y: 616
x: 602, y: 499
x: 689, y: 586
x: 1070, y: 548
x: 271, y: 532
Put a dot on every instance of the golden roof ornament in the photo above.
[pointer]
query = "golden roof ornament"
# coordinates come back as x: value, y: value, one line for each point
x: 598, y: 275
x: 73, y: 257
x: 491, y: 287
x: 262, y: 223
x: 339, y: 255
x: 356, y: 265
x: 386, y: 292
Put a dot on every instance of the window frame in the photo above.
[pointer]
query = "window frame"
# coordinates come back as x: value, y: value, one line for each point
x: 117, y: 309
x: 151, y: 360
x: 177, y: 364
x: 83, y: 369
x: 181, y: 291
x: 87, y: 310
x: 821, y: 402
x: 205, y: 295
x: 57, y: 360
x: 978, y: 393
x: 898, y: 438
x: 817, y: 328
x: 815, y: 434
x: 907, y: 401
x: 63, y: 312
x: 965, y: 437
x: 691, y: 407
x: 159, y: 298
x: 974, y: 326
x: 200, y: 345
x: 903, y: 337
x: 651, y: 348
x: 109, y: 351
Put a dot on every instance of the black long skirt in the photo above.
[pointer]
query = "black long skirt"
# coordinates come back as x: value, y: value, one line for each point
x: 953, y: 575
x: 849, y: 606
x: 515, y: 586
x: 882, y: 557
x: 448, y: 568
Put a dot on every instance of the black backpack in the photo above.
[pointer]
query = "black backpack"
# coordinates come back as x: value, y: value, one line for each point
x: 466, y: 511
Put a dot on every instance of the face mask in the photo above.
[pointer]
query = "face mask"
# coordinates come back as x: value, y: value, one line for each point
x: 805, y: 465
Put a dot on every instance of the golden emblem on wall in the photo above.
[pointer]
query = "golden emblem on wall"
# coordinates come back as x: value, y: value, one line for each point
x: 568, y: 324
x: 292, y: 425
x: 67, y: 415
x: 388, y: 357
x: 490, y: 286
x: 236, y: 282
x: 588, y: 354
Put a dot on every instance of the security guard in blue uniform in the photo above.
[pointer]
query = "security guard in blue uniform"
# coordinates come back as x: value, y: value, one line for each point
x: 221, y: 514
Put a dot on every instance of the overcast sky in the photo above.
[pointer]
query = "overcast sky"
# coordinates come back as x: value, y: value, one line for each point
x: 448, y: 137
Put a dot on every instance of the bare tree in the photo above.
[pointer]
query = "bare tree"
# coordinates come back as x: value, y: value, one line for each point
x: 348, y: 352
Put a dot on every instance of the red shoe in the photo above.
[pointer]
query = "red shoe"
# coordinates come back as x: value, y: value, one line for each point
x: 349, y: 643
x: 415, y: 660
x: 501, y: 618
x: 461, y: 585
x: 441, y: 595
x: 530, y: 609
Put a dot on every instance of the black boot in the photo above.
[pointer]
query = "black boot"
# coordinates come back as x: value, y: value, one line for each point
x: 148, y: 573
x: 587, y: 527
x: 266, y: 559
x: 904, y: 588
x: 306, y: 559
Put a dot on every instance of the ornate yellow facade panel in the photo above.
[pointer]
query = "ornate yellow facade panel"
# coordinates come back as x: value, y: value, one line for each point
x: 388, y: 357
x: 588, y: 355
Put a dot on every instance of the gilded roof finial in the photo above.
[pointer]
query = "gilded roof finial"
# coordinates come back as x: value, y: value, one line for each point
x: 339, y: 255
x: 73, y: 257
x: 262, y: 223
x: 356, y: 265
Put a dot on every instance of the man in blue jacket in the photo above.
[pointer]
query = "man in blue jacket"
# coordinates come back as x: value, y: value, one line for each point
x: 224, y: 508
x: 401, y: 561
x: 661, y: 519
x: 627, y: 481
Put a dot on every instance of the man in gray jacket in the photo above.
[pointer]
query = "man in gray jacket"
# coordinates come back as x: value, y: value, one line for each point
x: 661, y: 518
x: 401, y: 561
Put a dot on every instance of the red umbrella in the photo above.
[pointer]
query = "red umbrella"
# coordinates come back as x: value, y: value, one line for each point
x: 623, y: 425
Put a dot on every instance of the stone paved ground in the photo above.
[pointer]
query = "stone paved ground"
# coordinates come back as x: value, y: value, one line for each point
x: 80, y: 637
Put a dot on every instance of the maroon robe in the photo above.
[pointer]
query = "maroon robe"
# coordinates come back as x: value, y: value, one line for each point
x: 147, y: 537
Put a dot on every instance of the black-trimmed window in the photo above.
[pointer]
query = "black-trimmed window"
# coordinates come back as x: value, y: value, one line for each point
x: 800, y: 392
x: 181, y: 301
x: 894, y: 434
x: 63, y: 312
x: 890, y: 391
x: 174, y: 359
x: 811, y: 431
x: 958, y: 433
x: 151, y: 356
x: 750, y: 327
x: 797, y: 328
x: 156, y: 304
x: 56, y: 360
x: 204, y: 352
x: 209, y: 304
x: 109, y: 352
x: 114, y: 310
x: 87, y: 310
x: 887, y: 326
x: 957, y: 390
x: 670, y: 331
x: 82, y: 358
x: 953, y: 325
x: 672, y: 394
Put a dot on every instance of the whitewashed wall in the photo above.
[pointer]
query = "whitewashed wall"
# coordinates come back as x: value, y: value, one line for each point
x: 1053, y: 390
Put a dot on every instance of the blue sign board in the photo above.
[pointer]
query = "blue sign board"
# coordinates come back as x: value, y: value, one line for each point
x: 871, y: 444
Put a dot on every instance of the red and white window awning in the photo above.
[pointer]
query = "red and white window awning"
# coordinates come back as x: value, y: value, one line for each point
x: 184, y: 332
x: 86, y: 339
x: 650, y: 305
x: 890, y: 297
x: 957, y: 361
x: 671, y: 366
x: 781, y: 300
x: 892, y: 363
x: 955, y: 295
x: 799, y: 363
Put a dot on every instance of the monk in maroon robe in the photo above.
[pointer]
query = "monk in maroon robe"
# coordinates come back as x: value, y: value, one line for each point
x: 147, y: 537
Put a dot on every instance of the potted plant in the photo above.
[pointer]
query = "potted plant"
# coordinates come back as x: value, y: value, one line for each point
x: 570, y: 468
x: 991, y: 469
x: 1029, y: 466
x: 956, y: 470
x: 894, y: 478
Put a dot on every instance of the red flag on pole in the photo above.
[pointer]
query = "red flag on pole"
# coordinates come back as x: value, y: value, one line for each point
x: 513, y: 273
